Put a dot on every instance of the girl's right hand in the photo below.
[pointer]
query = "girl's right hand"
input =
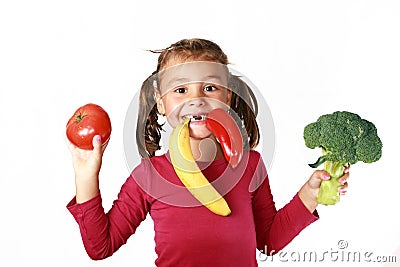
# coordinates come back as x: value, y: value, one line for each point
x: 87, y: 164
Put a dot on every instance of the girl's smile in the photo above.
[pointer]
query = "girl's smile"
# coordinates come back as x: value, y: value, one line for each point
x: 196, y: 117
x: 192, y: 90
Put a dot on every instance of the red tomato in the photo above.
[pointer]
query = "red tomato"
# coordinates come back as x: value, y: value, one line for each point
x: 88, y: 121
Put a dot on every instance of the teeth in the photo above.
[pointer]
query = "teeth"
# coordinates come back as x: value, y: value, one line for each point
x: 196, y: 117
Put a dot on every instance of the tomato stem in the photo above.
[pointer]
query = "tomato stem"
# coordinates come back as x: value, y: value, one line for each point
x: 80, y: 117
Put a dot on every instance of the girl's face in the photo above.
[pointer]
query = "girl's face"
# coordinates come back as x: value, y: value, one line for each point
x: 192, y: 90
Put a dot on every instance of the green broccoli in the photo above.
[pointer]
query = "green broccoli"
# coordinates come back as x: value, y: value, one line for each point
x: 345, y: 138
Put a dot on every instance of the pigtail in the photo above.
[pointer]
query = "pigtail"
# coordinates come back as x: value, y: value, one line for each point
x: 148, y: 130
x: 244, y: 103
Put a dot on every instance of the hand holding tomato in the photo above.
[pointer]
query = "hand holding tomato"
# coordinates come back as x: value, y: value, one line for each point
x: 87, y: 163
x: 88, y: 132
x: 88, y: 121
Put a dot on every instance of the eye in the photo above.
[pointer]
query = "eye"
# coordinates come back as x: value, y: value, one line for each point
x: 180, y: 90
x: 210, y: 88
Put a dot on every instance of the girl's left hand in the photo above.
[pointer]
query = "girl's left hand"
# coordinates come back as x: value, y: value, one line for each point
x: 309, y: 191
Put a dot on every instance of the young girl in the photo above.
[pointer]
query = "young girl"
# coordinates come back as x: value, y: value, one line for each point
x: 190, y: 81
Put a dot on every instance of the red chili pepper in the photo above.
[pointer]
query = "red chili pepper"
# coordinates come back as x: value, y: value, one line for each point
x: 225, y: 129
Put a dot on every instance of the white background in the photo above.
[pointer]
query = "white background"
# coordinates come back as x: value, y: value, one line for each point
x: 307, y: 57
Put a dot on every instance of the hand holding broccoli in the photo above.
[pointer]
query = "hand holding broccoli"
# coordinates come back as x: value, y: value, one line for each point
x: 310, y: 190
x: 345, y: 138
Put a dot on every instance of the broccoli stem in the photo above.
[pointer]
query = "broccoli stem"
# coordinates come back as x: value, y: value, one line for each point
x: 328, y: 192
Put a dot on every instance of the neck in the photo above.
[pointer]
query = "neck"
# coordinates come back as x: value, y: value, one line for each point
x: 207, y: 149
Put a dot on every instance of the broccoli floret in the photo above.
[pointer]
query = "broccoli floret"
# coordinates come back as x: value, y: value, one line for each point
x: 369, y: 148
x: 345, y: 138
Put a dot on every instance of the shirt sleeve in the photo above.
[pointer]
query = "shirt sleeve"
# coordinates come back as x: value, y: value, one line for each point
x: 104, y: 233
x: 275, y: 229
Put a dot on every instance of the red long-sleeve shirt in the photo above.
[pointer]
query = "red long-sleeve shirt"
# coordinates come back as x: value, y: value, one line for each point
x: 187, y: 233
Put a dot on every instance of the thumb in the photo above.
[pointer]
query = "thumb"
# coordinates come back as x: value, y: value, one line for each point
x: 96, y: 144
x: 317, y: 177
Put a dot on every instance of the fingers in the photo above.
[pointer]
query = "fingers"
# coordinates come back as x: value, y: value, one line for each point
x: 319, y: 175
x: 343, y: 180
x: 74, y: 150
x: 69, y: 144
x: 343, y: 189
x: 104, y: 145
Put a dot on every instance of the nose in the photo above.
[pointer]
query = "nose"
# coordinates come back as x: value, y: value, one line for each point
x: 196, y: 102
x: 197, y: 97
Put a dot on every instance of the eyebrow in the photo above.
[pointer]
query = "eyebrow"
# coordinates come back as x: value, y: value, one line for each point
x: 208, y: 78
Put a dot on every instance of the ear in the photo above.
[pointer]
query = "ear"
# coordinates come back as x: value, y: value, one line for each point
x: 229, y: 97
x: 160, y: 104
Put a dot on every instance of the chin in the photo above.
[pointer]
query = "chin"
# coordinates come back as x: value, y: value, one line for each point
x: 199, y: 132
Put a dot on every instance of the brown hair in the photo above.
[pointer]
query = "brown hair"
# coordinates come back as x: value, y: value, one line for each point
x: 243, y: 103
